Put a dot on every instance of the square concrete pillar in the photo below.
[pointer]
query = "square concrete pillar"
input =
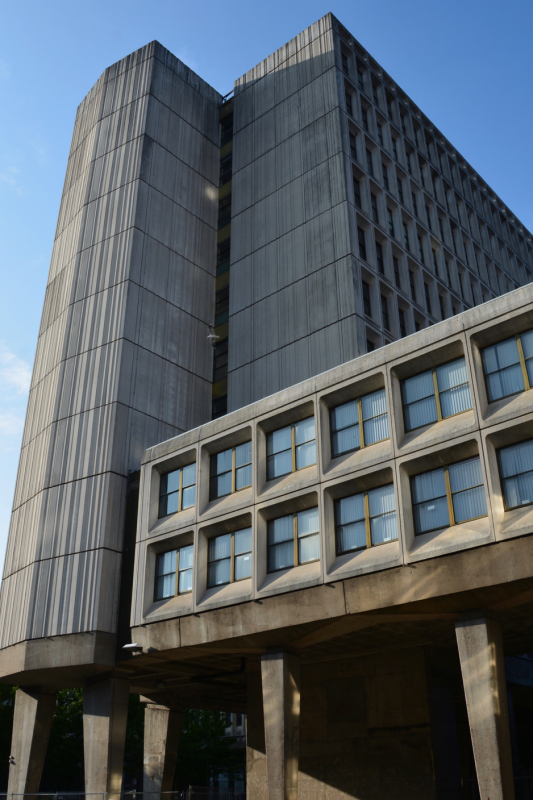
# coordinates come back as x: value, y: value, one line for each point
x: 105, y: 714
x: 162, y: 729
x: 256, y: 768
x: 32, y: 722
x: 280, y: 675
x: 482, y: 665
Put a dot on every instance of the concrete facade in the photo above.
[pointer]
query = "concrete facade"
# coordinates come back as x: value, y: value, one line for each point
x: 374, y: 670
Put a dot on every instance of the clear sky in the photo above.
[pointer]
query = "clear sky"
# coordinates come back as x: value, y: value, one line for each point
x: 468, y: 64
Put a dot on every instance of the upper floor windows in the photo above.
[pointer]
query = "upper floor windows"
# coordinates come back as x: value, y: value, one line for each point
x: 229, y: 558
x: 508, y: 366
x: 448, y: 495
x: 349, y: 102
x: 293, y: 540
x: 353, y: 146
x: 366, y: 519
x: 380, y: 134
x: 364, y: 118
x: 231, y: 470
x: 360, y: 79
x: 436, y: 394
x: 359, y: 423
x: 177, y: 490
x: 516, y: 472
x: 344, y: 61
x: 173, y: 572
x: 292, y: 448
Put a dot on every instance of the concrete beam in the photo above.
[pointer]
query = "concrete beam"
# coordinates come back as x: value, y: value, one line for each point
x: 105, y: 713
x: 280, y: 674
x: 162, y: 729
x: 32, y: 722
x: 482, y: 665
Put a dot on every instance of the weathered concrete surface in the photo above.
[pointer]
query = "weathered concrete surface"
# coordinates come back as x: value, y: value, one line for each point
x: 162, y: 730
x: 105, y: 713
x: 256, y: 766
x: 32, y: 722
x: 482, y: 664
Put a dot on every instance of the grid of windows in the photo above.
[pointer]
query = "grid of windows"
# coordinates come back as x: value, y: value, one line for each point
x: 516, y: 473
x: 448, y: 496
x: 293, y: 540
x: 173, y: 572
x: 229, y: 557
x: 365, y: 520
x: 177, y: 490
x: 434, y: 395
x: 231, y: 470
x: 508, y: 366
x: 359, y: 423
x: 292, y: 448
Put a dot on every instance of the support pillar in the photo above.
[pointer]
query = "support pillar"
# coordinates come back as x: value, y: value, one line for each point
x: 162, y: 729
x: 105, y: 713
x: 482, y: 665
x: 32, y: 722
x: 280, y: 674
x: 256, y: 768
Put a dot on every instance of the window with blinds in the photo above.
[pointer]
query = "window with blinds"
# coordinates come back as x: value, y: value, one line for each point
x: 516, y: 473
x: 229, y: 558
x: 173, y: 572
x: 177, y: 490
x: 292, y: 448
x: 365, y: 520
x: 231, y: 470
x: 508, y: 366
x: 436, y: 394
x: 359, y: 423
x: 293, y: 540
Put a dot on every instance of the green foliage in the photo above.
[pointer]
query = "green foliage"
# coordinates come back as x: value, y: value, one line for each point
x: 204, y: 751
x: 63, y: 767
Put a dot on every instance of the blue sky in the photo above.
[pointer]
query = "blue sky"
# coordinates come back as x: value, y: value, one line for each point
x: 466, y: 63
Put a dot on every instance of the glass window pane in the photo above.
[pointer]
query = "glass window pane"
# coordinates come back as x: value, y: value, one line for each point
x: 351, y: 537
x: 417, y: 387
x: 168, y: 504
x: 376, y: 429
x: 350, y: 509
x: 243, y: 477
x: 381, y: 500
x: 518, y: 490
x: 527, y: 343
x: 383, y: 528
x: 243, y: 541
x: 243, y: 566
x: 186, y: 554
x: 219, y: 547
x: 305, y: 455
x: 185, y: 581
x: 504, y: 383
x: 423, y: 412
x: 188, y: 496
x: 221, y: 462
x: 309, y: 549
x: 374, y: 404
x: 500, y: 355
x: 517, y: 459
x: 170, y: 482
x: 243, y: 454
x: 307, y: 521
x: 280, y: 530
x: 281, y: 556
x: 221, y: 486
x: 345, y: 441
x: 428, y: 486
x: 343, y: 416
x: 529, y: 367
x: 431, y: 515
x: 164, y: 587
x: 304, y: 430
x: 279, y: 464
x: 166, y: 563
x: 189, y: 475
x: 218, y: 572
x: 452, y: 374
x: 455, y: 401
x: 469, y: 505
x: 279, y: 440
x: 465, y: 474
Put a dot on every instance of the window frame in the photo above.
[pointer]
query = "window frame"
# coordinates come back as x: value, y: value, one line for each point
x: 232, y: 558
x: 523, y: 367
x: 498, y: 458
x: 180, y: 491
x: 296, y: 562
x: 294, y: 468
x: 177, y: 593
x: 360, y: 422
x: 368, y: 531
x: 234, y: 468
x: 436, y: 393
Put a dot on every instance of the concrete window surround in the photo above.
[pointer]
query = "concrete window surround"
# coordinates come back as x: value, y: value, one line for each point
x: 480, y: 431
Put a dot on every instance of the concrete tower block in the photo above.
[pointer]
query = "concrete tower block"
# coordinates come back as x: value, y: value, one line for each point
x: 256, y: 768
x: 481, y: 654
x: 105, y: 713
x: 31, y: 730
x: 280, y: 673
x: 162, y: 729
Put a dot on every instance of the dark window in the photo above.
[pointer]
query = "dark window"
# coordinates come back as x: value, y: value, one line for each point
x: 389, y: 107
x: 360, y: 79
x: 435, y: 260
x: 415, y: 209
x: 405, y: 236
x: 408, y: 162
x: 357, y: 192
x: 222, y: 306
x: 374, y: 202
x: 353, y: 147
x: 223, y: 251
x: 401, y: 317
x: 364, y: 117
x: 400, y: 191
x: 349, y: 106
x: 366, y: 299
x: 428, y: 218
x: 379, y: 256
x: 412, y: 285
x: 420, y: 250
x: 370, y: 346
x: 390, y: 222
x: 380, y: 135
x: 369, y: 162
x: 428, y: 301
x: 225, y: 169
x: 396, y: 271
x: 362, y: 242
x: 418, y: 325
x: 375, y: 93
x: 441, y: 229
x: 224, y: 211
x: 344, y: 59
x: 442, y: 309
x: 394, y: 149
x: 219, y: 406
x: 385, y: 312
x: 220, y: 363
x: 385, y: 176
x: 226, y: 130
x: 402, y: 121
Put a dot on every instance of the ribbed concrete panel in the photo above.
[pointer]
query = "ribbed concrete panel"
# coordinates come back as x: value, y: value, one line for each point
x: 290, y: 223
x: 123, y: 359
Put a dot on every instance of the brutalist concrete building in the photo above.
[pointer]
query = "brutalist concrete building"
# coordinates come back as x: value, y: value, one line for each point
x: 278, y: 438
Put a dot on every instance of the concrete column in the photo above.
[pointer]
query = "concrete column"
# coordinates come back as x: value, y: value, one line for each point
x: 162, y: 729
x: 280, y: 675
x: 481, y: 654
x: 32, y: 722
x: 256, y: 768
x: 105, y: 713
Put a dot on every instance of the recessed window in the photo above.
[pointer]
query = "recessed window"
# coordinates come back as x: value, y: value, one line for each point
x: 366, y: 299
x: 225, y: 169
x: 369, y: 162
x: 224, y: 212
x: 177, y: 490
x: 394, y: 149
x: 364, y: 117
x: 374, y: 203
x: 385, y: 176
x: 379, y: 258
x: 359, y: 423
x: 401, y: 318
x: 385, y: 312
x: 293, y: 540
x: 344, y: 60
x: 357, y: 192
x: 427, y: 298
x: 412, y: 285
x: 173, y: 572
x: 396, y: 266
x: 400, y: 192
x: 434, y: 395
x: 229, y: 558
x: 231, y: 470
x: 353, y: 146
x: 365, y: 520
x: 380, y: 134
x: 405, y: 236
x: 223, y: 257
x: 390, y: 222
x: 292, y: 448
x: 508, y: 366
x: 516, y: 471
x: 375, y: 93
x: 349, y: 106
x: 362, y: 242
x: 360, y: 79
x: 413, y: 200
x: 448, y: 496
